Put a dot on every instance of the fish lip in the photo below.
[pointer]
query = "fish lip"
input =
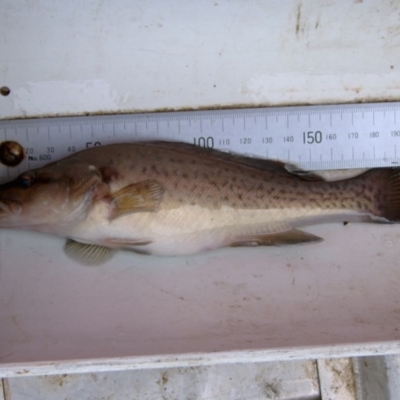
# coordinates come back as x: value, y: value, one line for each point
x: 10, y: 207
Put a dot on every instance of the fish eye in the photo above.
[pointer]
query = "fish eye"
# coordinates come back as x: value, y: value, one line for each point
x: 26, y: 180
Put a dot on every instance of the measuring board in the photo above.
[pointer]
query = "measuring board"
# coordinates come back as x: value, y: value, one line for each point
x: 311, y: 137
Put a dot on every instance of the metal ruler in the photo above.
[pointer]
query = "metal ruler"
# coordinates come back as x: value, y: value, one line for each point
x: 312, y: 137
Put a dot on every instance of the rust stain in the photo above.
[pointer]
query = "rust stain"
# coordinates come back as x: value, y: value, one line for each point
x: 56, y: 380
x: 272, y: 390
x: 5, y: 91
x: 343, y: 376
x: 216, y: 107
x: 163, y: 380
x: 310, y: 371
x: 298, y: 19
x: 23, y: 372
x: 356, y: 89
x: 11, y: 153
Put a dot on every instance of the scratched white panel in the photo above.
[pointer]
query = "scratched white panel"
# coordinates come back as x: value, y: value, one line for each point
x: 276, y: 381
x: 123, y: 55
x: 339, y: 297
x: 338, y: 379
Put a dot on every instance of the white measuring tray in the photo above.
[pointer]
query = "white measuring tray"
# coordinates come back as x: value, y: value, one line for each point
x: 339, y: 297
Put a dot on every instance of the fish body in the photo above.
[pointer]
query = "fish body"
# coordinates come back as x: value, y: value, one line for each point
x: 173, y: 199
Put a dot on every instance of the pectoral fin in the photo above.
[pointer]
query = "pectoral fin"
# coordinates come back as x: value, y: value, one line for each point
x: 292, y: 236
x: 87, y: 254
x: 140, y: 196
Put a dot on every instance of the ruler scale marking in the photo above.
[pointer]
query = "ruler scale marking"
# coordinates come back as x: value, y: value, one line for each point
x: 370, y: 130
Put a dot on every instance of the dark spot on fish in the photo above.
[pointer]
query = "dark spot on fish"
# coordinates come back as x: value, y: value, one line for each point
x: 175, y: 185
x: 180, y: 200
x: 166, y: 173
x: 234, y: 179
x: 192, y: 203
x: 108, y: 174
x: 240, y: 196
x: 225, y: 198
x: 154, y: 168
x: 172, y: 160
x: 175, y: 172
x: 231, y: 186
x: 345, y: 223
x: 144, y: 170
x: 185, y: 175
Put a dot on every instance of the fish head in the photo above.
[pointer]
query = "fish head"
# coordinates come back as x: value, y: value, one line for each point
x: 48, y: 197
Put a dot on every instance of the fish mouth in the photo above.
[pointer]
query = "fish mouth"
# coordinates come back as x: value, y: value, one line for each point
x: 10, y: 208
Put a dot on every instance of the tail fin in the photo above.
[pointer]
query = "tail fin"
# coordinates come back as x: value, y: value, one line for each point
x: 387, y: 202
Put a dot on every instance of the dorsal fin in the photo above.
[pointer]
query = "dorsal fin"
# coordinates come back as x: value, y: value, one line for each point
x: 277, y: 167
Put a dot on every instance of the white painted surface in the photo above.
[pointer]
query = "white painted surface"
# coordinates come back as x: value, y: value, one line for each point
x: 240, y: 299
x: 114, y: 56
x: 74, y: 57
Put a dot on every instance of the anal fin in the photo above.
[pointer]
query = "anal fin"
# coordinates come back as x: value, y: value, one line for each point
x: 87, y: 254
x: 292, y: 236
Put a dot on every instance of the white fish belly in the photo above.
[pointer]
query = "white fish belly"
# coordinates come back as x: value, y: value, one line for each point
x: 190, y: 229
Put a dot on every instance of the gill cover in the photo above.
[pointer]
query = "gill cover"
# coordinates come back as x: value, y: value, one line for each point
x: 47, y: 197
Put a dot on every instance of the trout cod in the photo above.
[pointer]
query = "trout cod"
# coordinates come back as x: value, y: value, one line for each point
x: 171, y: 199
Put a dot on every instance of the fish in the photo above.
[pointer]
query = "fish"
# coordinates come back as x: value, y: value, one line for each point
x: 176, y: 199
